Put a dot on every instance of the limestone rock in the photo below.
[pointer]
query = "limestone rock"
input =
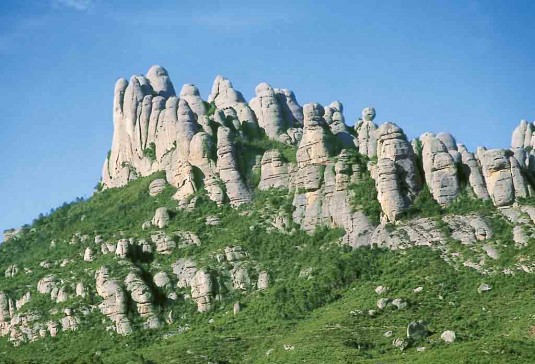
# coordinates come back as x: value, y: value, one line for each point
x: 314, y: 147
x: 161, y: 279
x: 293, y: 112
x: 334, y: 117
x: 122, y: 248
x: 46, y: 284
x: 69, y: 322
x: 472, y: 169
x: 161, y: 217
x: 89, y: 255
x: 160, y: 81
x: 202, y: 290
x: 185, y: 269
x: 227, y: 165
x: 234, y: 253
x: 484, y: 287
x: 157, y: 186
x: 191, y: 94
x: 240, y: 278
x: 496, y: 168
x: 225, y: 96
x: 164, y: 243
x: 187, y: 238
x: 114, y: 304
x: 80, y: 290
x: 440, y: 168
x: 268, y: 110
x: 366, y: 133
x: 263, y: 280
x: 396, y: 174
x: 274, y: 171
x: 448, y: 336
x: 522, y: 135
x: 11, y: 271
x: 142, y: 296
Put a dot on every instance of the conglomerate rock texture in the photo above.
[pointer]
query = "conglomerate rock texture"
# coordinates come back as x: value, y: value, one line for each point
x: 197, y: 144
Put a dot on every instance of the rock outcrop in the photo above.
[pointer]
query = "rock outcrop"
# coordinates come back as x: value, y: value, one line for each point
x: 196, y: 144
x: 114, y: 301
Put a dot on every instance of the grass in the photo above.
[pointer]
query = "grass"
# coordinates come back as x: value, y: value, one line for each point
x: 324, y: 317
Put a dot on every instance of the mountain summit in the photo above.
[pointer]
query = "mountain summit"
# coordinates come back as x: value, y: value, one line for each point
x: 227, y: 231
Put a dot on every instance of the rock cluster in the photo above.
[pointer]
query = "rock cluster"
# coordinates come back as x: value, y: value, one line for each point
x: 114, y: 301
x: 154, y: 130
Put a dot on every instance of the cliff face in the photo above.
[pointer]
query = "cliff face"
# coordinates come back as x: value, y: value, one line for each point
x: 196, y: 144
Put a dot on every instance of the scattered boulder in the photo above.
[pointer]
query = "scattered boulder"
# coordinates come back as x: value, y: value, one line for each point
x: 263, y: 280
x: 157, y: 186
x: 484, y: 287
x: 448, y: 336
x: 161, y: 218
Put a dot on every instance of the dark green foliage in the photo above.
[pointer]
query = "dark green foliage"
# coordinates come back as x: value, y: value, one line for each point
x: 150, y: 151
x: 364, y: 193
x: 210, y: 108
x: 424, y: 206
x: 322, y: 314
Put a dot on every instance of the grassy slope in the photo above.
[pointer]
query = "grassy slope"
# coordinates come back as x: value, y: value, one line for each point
x: 312, y: 315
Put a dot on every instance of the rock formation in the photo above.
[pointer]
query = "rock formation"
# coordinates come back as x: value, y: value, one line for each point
x: 154, y: 130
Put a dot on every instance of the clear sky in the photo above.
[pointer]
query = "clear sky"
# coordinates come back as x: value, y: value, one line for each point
x: 466, y: 67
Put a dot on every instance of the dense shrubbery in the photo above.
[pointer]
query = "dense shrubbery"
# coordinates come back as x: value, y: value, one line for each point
x: 328, y: 306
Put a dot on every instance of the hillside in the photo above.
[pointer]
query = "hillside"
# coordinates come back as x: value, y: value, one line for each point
x: 226, y: 231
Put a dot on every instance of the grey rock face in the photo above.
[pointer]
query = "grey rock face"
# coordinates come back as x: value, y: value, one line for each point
x: 161, y: 279
x: 293, y: 112
x: 334, y: 118
x: 274, y: 171
x: 269, y: 112
x: 366, y: 130
x: 191, y: 94
x: 142, y: 296
x: 448, y: 336
x: 395, y: 174
x: 440, y: 168
x: 160, y: 81
x: 69, y: 322
x: 502, y: 177
x: 202, y: 290
x: 114, y: 301
x: 161, y: 218
x: 164, y: 243
x: 225, y: 96
x: 185, y: 270
x: 472, y: 169
x: 522, y: 135
x: 157, y: 186
x: 227, y: 165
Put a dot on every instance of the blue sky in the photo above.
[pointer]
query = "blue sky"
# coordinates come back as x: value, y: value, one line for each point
x: 466, y: 67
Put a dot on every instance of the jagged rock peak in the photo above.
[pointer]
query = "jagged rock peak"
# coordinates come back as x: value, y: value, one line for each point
x: 160, y: 81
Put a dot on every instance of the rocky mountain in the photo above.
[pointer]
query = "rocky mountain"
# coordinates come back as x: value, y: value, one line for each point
x: 217, y: 218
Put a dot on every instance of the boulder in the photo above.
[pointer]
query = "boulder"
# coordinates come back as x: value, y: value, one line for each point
x: 161, y: 217
x: 202, y: 290
x: 440, y: 168
x: 448, y: 336
x: 157, y: 186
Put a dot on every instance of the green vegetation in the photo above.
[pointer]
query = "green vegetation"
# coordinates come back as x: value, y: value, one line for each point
x: 322, y: 315
x: 150, y: 151
x: 364, y: 193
